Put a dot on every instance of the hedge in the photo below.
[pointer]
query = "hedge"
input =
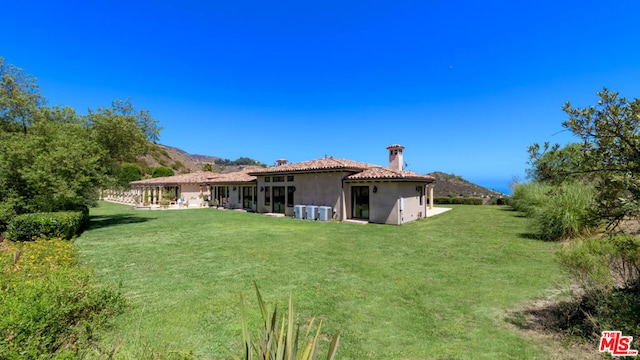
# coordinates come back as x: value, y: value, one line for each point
x: 463, y: 201
x: 63, y: 225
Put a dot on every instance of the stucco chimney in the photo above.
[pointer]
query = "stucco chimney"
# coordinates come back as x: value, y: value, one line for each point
x: 281, y: 162
x: 395, y: 157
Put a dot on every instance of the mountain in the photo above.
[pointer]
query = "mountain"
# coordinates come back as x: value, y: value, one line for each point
x: 181, y: 161
x: 450, y: 185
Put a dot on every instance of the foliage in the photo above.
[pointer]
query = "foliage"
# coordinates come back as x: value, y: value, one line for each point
x: 609, y: 271
x: 610, y: 134
x: 19, y: 99
x: 161, y: 171
x: 238, y: 162
x: 53, y: 159
x: 276, y: 341
x: 128, y: 173
x: 207, y: 167
x: 177, y: 165
x: 169, y: 194
x: 49, y: 306
x: 556, y: 212
x: 604, y: 263
x: 457, y: 200
x: 556, y: 164
x: 27, y: 227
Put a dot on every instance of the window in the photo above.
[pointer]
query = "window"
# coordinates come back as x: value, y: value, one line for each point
x: 290, y: 178
x: 267, y: 179
x: 421, y: 194
x: 267, y: 196
x: 278, y: 179
x: 290, y: 191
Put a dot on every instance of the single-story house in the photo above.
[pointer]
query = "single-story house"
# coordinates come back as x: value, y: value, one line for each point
x: 345, y: 189
x: 352, y: 189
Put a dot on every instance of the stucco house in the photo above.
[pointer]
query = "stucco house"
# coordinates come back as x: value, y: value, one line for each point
x: 352, y: 189
x: 345, y: 189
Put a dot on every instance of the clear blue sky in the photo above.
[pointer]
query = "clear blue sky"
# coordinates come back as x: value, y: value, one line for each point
x: 466, y: 86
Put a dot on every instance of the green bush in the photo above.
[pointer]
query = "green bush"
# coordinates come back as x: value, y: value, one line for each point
x: 49, y: 306
x: 556, y: 211
x: 457, y: 200
x: 608, y: 270
x: 64, y: 224
x: 162, y: 171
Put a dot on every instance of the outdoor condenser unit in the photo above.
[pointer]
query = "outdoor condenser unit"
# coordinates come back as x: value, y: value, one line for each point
x: 324, y: 213
x: 312, y: 212
x: 299, y: 211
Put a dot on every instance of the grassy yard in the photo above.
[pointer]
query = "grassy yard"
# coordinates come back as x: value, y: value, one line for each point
x: 436, y: 288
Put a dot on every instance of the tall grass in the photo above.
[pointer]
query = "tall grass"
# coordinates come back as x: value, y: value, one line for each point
x: 556, y: 212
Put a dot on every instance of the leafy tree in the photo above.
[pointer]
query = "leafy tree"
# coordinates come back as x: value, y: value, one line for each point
x: 19, y: 98
x: 128, y: 173
x: 556, y: 164
x: 162, y: 171
x: 53, y: 159
x: 609, y: 156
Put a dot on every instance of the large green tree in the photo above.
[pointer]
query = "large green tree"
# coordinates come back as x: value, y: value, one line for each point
x: 52, y: 158
x: 608, y: 155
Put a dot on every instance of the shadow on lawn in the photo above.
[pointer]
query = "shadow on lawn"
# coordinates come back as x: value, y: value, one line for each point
x: 100, y: 221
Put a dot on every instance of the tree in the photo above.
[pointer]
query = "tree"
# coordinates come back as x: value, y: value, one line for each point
x: 162, y: 171
x: 556, y: 164
x: 609, y: 156
x: 207, y: 167
x: 53, y: 159
x: 19, y: 98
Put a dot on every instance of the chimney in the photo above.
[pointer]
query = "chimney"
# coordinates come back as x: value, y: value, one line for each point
x: 395, y: 157
x: 281, y: 162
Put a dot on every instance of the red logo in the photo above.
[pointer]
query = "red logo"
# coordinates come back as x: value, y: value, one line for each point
x: 616, y: 344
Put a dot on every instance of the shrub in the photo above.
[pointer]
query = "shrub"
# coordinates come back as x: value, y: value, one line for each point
x: 162, y: 171
x: 556, y: 212
x: 608, y: 270
x: 63, y: 224
x: 276, y: 338
x: 457, y: 200
x: 49, y: 306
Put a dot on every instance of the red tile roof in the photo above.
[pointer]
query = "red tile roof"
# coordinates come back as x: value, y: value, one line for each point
x: 379, y: 172
x: 198, y: 177
x: 362, y: 170
x: 234, y: 177
x: 328, y: 163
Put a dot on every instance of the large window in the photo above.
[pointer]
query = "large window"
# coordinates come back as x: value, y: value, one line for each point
x: 267, y: 196
x: 278, y: 179
x: 290, y: 191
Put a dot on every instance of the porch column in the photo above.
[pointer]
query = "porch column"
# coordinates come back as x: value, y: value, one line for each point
x: 430, y: 187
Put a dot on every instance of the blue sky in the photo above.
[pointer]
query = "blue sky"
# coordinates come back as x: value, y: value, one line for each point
x: 466, y: 86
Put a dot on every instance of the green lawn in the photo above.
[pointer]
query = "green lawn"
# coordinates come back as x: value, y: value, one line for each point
x: 436, y: 288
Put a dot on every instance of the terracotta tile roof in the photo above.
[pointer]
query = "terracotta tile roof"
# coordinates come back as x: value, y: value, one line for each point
x: 198, y: 177
x: 379, y: 172
x: 327, y: 163
x: 234, y: 177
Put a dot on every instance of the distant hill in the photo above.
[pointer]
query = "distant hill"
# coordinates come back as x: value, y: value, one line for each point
x: 450, y: 185
x: 182, y: 162
x: 446, y: 185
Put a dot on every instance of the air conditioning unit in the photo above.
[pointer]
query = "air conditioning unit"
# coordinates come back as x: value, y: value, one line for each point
x: 324, y: 213
x: 299, y: 211
x: 312, y: 212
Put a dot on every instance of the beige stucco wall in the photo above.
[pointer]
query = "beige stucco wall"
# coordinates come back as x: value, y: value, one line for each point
x: 321, y: 189
x: 235, y: 198
x: 384, y: 205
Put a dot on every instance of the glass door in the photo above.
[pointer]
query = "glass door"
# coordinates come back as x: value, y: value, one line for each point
x: 360, y: 202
